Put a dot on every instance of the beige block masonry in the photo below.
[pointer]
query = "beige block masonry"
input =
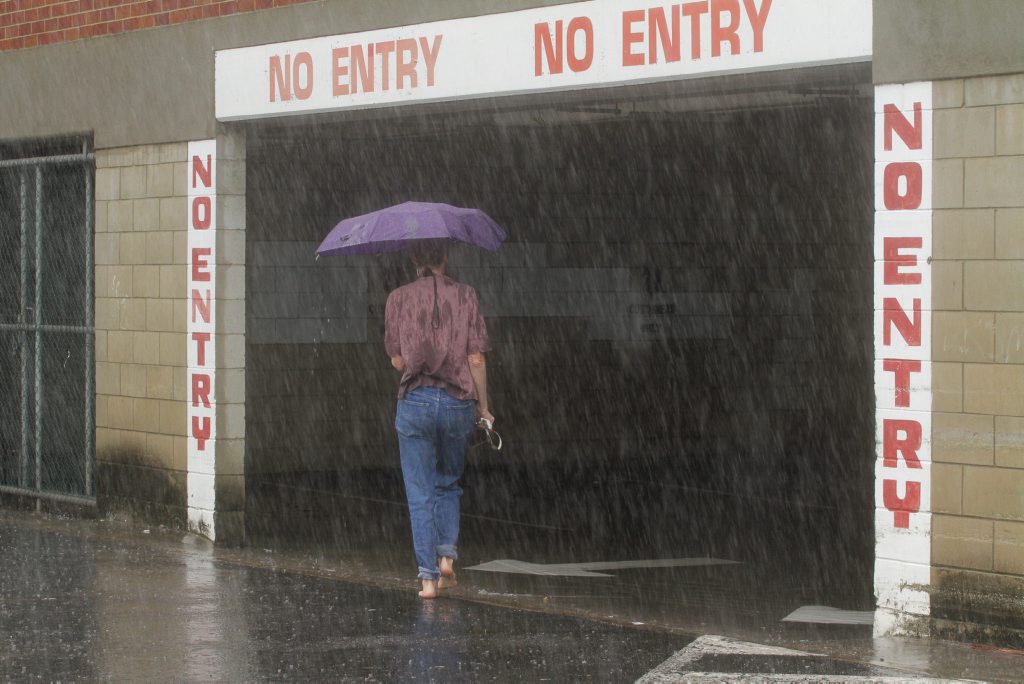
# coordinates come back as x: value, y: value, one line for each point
x: 978, y: 328
x: 140, y: 357
x: 141, y: 333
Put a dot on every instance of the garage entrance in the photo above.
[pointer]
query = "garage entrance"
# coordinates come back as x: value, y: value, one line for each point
x: 681, y: 366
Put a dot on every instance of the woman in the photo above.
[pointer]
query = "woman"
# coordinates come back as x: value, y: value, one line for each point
x: 436, y: 337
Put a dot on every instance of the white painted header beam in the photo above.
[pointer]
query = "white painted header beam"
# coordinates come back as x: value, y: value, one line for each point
x: 573, y: 46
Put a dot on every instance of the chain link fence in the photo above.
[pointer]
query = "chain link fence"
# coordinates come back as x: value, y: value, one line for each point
x: 47, y: 368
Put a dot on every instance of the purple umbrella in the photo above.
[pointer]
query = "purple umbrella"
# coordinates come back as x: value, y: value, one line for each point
x: 391, y: 229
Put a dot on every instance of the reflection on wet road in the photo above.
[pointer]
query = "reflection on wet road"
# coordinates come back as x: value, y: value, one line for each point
x: 86, y: 601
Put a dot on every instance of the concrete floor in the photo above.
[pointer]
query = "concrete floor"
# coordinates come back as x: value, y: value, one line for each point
x: 100, y: 599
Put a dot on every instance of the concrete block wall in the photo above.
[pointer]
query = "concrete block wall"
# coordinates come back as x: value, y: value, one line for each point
x: 978, y: 349
x: 141, y: 333
x: 230, y: 382
x: 141, y: 213
x: 299, y: 299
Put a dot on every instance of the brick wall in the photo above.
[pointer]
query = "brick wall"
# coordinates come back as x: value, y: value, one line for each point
x: 30, y: 23
x: 978, y: 347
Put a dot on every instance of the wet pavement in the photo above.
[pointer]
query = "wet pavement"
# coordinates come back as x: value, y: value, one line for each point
x: 85, y: 600
x: 108, y: 600
x: 766, y: 557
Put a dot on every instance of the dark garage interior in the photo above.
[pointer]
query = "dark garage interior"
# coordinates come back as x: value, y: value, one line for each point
x: 680, y: 322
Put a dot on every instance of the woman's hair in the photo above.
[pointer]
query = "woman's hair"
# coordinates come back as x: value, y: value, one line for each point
x: 428, y: 253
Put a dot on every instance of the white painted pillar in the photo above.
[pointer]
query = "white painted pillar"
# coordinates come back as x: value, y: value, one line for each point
x: 201, y: 341
x: 903, y: 367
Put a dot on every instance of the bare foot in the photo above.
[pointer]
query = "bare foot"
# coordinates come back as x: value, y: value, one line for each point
x: 447, y: 569
x: 429, y: 590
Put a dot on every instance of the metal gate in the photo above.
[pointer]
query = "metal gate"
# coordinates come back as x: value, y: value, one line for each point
x: 47, y: 367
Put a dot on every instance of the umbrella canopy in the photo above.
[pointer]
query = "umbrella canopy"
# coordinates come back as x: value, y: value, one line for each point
x: 393, y: 228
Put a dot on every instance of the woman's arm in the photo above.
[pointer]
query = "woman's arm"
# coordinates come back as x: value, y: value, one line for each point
x: 478, y: 369
x: 398, y: 363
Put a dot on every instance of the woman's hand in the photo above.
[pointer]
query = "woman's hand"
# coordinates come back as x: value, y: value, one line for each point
x: 398, y: 363
x: 484, y: 414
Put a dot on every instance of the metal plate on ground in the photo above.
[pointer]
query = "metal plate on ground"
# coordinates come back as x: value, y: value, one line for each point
x: 511, y: 566
x: 827, y: 615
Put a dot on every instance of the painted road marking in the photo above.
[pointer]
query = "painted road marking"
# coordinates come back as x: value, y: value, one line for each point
x: 698, y: 661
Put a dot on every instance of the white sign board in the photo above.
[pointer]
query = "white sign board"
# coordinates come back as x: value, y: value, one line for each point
x: 572, y: 46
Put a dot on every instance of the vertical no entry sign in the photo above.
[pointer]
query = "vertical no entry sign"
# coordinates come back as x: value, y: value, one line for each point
x: 201, y: 343
x: 903, y: 368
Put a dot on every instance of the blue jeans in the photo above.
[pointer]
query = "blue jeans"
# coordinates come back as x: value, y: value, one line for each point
x: 433, y: 435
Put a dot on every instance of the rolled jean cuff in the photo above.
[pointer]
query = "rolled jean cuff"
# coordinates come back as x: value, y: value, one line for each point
x: 428, y: 574
x: 447, y: 551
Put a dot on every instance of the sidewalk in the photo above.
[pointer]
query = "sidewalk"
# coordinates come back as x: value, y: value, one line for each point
x: 86, y: 599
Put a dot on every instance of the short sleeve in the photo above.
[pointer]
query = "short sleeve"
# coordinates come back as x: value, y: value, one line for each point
x: 392, y: 329
x: 478, y: 340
